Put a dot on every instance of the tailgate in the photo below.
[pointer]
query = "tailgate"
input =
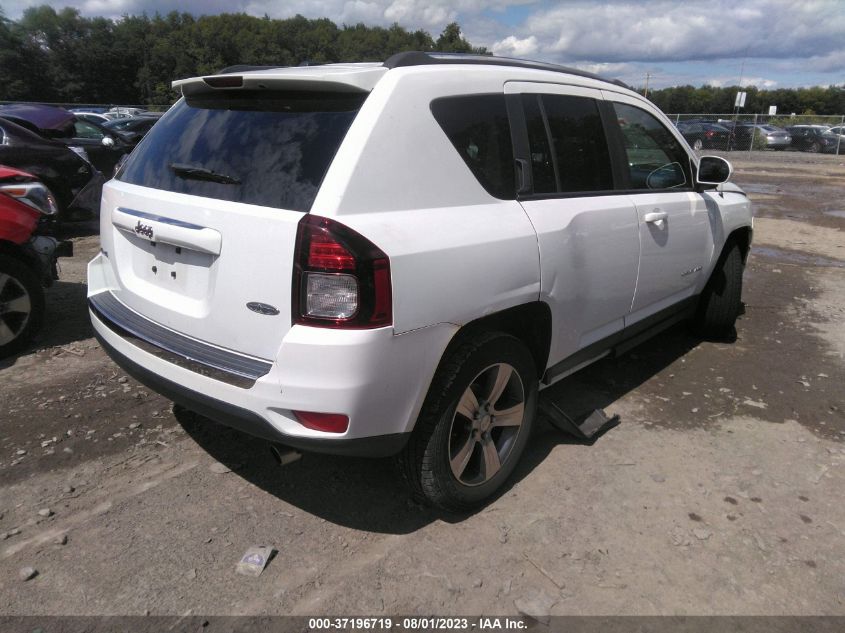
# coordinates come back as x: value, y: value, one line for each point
x: 200, y: 223
x: 193, y: 264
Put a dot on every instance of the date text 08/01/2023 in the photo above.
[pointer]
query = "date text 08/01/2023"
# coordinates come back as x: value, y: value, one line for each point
x: 417, y: 623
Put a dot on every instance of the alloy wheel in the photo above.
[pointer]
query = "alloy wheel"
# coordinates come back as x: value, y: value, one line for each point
x: 487, y: 421
x: 15, y: 308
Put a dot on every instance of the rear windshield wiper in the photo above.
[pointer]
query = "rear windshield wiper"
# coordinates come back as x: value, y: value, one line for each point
x: 201, y: 173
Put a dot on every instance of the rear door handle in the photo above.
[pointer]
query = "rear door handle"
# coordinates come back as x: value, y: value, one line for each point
x: 656, y: 217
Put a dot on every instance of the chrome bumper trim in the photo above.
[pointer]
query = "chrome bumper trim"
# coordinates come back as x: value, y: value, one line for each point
x: 178, y: 349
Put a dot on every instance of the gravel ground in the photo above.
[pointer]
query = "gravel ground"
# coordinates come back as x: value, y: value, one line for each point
x: 719, y: 493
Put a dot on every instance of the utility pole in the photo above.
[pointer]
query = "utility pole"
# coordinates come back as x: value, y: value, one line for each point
x: 647, y: 77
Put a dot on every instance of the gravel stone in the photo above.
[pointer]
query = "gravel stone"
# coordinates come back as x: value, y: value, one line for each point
x: 27, y: 573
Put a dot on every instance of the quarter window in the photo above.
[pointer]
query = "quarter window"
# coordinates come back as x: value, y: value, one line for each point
x: 656, y: 159
x: 477, y: 126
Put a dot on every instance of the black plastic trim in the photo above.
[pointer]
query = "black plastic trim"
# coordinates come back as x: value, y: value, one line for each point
x: 628, y: 338
x: 604, y: 192
x: 118, y: 317
x: 248, y: 422
x: 420, y: 58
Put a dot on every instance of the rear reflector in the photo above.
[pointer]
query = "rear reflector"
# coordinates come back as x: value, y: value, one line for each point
x: 328, y: 422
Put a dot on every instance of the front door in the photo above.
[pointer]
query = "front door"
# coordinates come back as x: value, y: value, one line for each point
x: 675, y: 232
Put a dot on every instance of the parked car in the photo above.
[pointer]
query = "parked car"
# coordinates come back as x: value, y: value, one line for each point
x: 105, y: 147
x: 102, y: 147
x: 703, y: 135
x: 810, y: 138
x: 125, y: 111
x: 73, y: 181
x: 92, y: 109
x: 836, y: 144
x: 133, y: 128
x: 743, y: 133
x: 94, y: 117
x: 27, y: 259
x: 277, y: 261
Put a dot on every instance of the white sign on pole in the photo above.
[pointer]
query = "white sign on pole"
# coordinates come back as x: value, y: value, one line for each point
x: 773, y: 110
x: 740, y: 99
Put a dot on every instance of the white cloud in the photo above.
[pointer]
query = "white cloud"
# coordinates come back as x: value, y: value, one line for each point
x: 512, y: 46
x: 621, y: 38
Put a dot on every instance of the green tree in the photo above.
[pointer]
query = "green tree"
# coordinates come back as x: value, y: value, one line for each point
x: 451, y: 40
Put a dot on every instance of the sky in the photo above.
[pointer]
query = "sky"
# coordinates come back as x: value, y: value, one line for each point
x: 767, y: 43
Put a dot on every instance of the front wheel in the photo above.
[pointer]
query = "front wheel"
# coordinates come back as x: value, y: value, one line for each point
x: 721, y: 301
x: 698, y: 144
x: 474, y: 424
x: 814, y: 148
x: 21, y: 305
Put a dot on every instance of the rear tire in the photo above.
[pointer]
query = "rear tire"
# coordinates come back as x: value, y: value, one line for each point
x: 474, y: 425
x: 721, y: 301
x: 21, y: 305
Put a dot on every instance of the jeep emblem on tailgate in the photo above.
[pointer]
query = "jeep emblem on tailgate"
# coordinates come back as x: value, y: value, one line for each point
x: 262, y: 308
x: 143, y: 229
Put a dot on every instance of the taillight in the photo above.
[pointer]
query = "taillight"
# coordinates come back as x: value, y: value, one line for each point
x: 340, y: 279
x: 709, y: 134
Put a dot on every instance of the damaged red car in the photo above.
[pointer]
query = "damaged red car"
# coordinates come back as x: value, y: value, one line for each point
x: 27, y: 257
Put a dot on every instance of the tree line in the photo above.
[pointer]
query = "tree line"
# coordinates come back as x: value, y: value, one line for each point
x: 712, y: 100
x: 64, y: 57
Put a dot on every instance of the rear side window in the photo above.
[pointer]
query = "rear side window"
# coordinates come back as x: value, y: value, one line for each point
x: 567, y: 144
x: 477, y: 126
x: 578, y: 143
x: 656, y: 159
x: 268, y: 149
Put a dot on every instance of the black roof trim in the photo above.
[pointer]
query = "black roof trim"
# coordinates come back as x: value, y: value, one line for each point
x: 419, y: 58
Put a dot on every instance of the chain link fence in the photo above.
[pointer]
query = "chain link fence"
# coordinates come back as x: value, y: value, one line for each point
x: 754, y: 133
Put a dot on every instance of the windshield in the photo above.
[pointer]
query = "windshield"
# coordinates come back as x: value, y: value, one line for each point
x: 265, y: 149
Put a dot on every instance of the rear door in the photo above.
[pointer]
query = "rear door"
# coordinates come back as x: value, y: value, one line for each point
x: 675, y: 234
x: 587, y: 234
x: 202, y: 218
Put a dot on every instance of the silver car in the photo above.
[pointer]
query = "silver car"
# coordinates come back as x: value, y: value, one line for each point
x: 776, y: 138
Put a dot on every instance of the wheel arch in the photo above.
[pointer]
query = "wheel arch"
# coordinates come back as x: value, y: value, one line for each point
x: 10, y: 249
x: 742, y: 238
x: 531, y: 323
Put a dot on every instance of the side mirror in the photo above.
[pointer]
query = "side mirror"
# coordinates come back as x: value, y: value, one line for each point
x: 713, y: 170
x: 108, y: 141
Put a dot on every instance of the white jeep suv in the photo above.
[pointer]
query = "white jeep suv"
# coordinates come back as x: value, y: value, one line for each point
x: 391, y: 259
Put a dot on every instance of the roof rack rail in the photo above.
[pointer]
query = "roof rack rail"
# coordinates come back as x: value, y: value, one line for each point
x: 420, y: 58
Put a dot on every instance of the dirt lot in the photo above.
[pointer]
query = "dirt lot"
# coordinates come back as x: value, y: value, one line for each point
x: 720, y: 492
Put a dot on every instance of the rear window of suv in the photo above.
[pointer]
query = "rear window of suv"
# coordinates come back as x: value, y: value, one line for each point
x: 268, y: 149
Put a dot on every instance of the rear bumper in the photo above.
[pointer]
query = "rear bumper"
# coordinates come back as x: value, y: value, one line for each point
x: 249, y: 422
x: 375, y: 377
